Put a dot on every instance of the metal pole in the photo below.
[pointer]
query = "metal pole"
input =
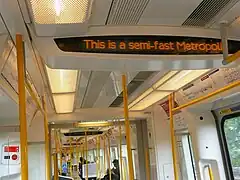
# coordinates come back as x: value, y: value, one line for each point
x: 109, y: 160
x: 34, y: 96
x: 77, y: 153
x: 55, y: 158
x: 98, y: 157
x: 105, y: 154
x: 50, y: 149
x: 47, y: 153
x: 71, y: 158
x: 147, y: 164
x: 197, y: 100
x: 61, y: 162
x: 60, y: 153
x: 127, y: 128
x: 81, y: 150
x: 224, y: 36
x: 86, y: 146
x: 173, y: 140
x: 22, y: 107
x: 120, y: 149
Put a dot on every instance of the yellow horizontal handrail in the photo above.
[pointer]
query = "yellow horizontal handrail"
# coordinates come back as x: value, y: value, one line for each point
x: 232, y: 58
x: 197, y: 100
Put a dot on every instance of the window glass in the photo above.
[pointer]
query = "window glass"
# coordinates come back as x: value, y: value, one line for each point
x: 232, y: 134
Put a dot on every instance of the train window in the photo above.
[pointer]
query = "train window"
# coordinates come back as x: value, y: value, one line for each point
x: 232, y: 135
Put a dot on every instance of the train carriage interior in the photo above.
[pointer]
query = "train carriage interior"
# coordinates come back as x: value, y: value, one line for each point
x: 120, y: 90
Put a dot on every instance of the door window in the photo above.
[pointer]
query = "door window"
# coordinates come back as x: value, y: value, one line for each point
x: 232, y: 135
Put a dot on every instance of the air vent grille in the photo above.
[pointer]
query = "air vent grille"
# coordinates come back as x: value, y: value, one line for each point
x: 132, y: 86
x: 205, y: 12
x: 126, y: 11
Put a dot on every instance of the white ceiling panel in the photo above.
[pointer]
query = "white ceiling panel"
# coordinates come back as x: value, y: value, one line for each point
x: 82, y: 88
x: 3, y: 29
x: 100, y: 12
x: 168, y: 12
x: 8, y: 111
x: 96, y: 83
x: 112, y: 89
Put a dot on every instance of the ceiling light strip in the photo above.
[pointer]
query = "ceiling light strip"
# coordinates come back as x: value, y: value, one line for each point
x: 171, y: 82
x: 64, y: 102
x: 60, y: 11
x: 95, y: 124
x: 62, y: 80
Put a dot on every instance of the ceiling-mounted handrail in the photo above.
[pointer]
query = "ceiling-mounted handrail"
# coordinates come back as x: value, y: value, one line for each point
x: 33, y: 95
x: 232, y: 58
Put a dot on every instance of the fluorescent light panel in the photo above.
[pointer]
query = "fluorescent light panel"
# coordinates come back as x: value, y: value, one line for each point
x: 172, y: 81
x: 181, y: 79
x: 149, y: 100
x: 95, y: 124
x: 164, y: 79
x: 64, y: 102
x: 62, y: 80
x: 146, y: 93
x: 60, y: 11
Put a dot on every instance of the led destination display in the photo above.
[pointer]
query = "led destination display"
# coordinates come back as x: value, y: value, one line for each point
x: 172, y: 45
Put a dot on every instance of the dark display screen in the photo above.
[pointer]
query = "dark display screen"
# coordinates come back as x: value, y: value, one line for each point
x: 6, y: 157
x: 158, y: 45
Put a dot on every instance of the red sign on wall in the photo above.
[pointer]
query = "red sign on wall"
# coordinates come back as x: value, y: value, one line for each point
x: 11, y: 149
x: 165, y: 106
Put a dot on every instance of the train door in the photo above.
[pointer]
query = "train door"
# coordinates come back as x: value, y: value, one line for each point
x: 185, y: 156
x: 228, y: 125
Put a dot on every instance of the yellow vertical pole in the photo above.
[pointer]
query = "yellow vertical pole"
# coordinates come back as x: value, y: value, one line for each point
x: 55, y: 156
x: 60, y: 153
x: 61, y: 162
x: 109, y: 160
x: 120, y: 149
x: 69, y: 160
x: 127, y: 128
x: 98, y: 157
x: 83, y: 150
x: 47, y: 153
x: 55, y: 159
x: 86, y: 147
x: 210, y: 173
x: 80, y: 154
x: 105, y: 154
x: 73, y: 156
x: 22, y: 107
x: 147, y: 164
x: 77, y: 153
x: 71, y: 153
x: 173, y: 140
